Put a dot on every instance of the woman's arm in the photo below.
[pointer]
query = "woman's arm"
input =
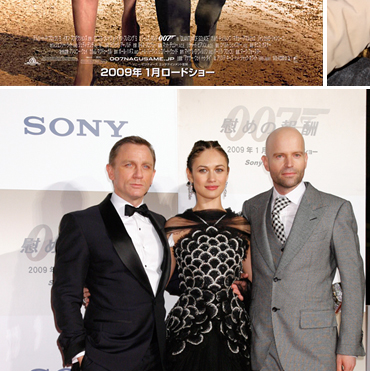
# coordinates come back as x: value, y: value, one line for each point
x: 172, y: 240
x: 241, y: 287
x: 247, y: 265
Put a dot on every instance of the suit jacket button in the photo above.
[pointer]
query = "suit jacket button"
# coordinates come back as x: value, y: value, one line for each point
x: 277, y: 279
x: 274, y: 309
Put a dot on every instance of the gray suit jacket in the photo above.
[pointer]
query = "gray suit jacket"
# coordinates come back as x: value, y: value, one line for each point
x: 293, y: 303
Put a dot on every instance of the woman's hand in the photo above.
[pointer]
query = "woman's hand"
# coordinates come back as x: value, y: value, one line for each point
x: 240, y: 286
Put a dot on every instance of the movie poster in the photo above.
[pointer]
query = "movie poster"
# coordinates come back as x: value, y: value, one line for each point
x: 253, y: 43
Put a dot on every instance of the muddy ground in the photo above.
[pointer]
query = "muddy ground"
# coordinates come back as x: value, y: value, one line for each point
x: 37, y: 45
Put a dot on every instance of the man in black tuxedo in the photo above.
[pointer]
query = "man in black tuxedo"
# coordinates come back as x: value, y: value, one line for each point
x: 121, y: 254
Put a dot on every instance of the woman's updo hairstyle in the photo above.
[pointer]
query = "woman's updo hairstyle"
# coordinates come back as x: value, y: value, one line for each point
x: 202, y: 145
x: 198, y: 148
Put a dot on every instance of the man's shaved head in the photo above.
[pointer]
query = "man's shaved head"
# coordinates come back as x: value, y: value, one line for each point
x: 285, y: 158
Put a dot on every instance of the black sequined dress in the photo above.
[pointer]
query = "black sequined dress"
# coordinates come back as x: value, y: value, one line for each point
x: 209, y: 327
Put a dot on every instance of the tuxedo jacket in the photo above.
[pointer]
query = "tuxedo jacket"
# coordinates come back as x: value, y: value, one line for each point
x: 293, y: 302
x: 94, y: 250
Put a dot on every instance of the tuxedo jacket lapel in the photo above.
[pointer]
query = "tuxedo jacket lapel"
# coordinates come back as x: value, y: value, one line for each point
x: 309, y: 214
x: 123, y: 243
x: 166, y: 262
x: 260, y: 231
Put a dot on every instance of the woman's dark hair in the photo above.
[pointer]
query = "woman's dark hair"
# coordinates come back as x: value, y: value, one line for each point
x: 133, y: 140
x: 201, y: 146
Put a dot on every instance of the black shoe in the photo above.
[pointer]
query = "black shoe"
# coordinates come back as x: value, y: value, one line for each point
x: 128, y: 50
x: 204, y: 47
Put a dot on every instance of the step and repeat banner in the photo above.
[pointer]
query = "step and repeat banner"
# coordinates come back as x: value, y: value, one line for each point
x: 333, y: 124
x: 55, y: 145
x: 54, y: 149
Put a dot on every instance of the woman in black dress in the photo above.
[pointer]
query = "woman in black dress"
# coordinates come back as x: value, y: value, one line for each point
x: 209, y: 327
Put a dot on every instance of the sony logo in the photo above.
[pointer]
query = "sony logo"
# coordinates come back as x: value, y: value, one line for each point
x: 63, y: 127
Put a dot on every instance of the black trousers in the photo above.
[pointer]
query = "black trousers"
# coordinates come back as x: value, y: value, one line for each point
x: 150, y: 362
x: 174, y: 15
x: 355, y: 73
x: 174, y: 19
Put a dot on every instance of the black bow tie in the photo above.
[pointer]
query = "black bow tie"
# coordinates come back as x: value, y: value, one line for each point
x: 131, y: 210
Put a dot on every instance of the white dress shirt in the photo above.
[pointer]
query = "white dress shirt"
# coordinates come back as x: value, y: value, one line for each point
x: 287, y: 215
x: 145, y: 239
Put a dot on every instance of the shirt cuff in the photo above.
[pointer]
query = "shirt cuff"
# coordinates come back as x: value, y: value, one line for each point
x: 75, y: 358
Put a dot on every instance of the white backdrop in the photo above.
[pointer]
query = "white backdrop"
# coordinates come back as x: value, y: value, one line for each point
x: 331, y: 121
x: 56, y: 170
x: 55, y: 144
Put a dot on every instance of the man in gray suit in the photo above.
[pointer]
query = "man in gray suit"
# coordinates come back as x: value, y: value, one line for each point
x: 299, y: 237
